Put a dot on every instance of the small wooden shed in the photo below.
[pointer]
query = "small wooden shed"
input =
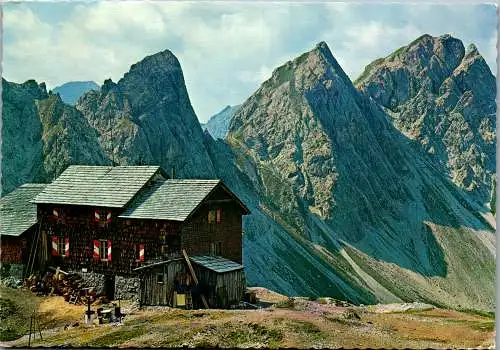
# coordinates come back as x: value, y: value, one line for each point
x: 221, y: 282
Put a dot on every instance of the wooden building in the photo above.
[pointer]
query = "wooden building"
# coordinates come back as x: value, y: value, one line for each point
x: 110, y: 221
x: 18, y: 218
x: 221, y: 281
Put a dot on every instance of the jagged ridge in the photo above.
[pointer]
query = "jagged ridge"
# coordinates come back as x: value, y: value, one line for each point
x: 443, y: 96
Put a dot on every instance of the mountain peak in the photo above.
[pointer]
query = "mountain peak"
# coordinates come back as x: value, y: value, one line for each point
x: 306, y: 70
x: 153, y: 66
x: 472, y: 51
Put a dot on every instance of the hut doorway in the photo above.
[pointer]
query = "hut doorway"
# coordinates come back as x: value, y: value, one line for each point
x: 109, y: 287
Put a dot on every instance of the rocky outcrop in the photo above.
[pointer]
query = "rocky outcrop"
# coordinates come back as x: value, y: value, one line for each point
x: 147, y: 118
x: 41, y: 136
x: 443, y: 96
x: 67, y: 137
x: 22, y: 146
x: 218, y: 124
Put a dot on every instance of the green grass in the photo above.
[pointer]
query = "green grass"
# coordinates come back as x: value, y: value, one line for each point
x: 286, y: 304
x: 119, y: 336
x: 305, y: 327
x: 16, y: 307
x: 252, y: 333
x: 486, y: 326
x: 489, y: 314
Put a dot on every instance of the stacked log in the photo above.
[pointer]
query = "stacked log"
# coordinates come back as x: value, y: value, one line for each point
x: 69, y: 285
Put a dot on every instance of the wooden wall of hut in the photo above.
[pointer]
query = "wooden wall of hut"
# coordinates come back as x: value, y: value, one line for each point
x: 154, y: 292
x: 14, y: 249
x: 198, y: 234
x: 160, y: 239
x: 221, y: 289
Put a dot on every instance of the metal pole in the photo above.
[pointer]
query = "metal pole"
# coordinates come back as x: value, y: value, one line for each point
x: 29, y: 339
x: 39, y: 328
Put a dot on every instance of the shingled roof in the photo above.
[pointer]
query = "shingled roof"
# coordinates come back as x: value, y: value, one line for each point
x: 103, y: 186
x: 174, y: 199
x: 17, y: 214
x: 216, y: 263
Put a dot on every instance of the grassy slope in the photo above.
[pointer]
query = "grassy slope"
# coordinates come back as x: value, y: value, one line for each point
x: 302, y: 324
x: 468, y: 276
x: 52, y: 312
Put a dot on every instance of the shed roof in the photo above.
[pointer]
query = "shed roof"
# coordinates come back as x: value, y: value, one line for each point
x: 173, y: 199
x: 104, y: 186
x: 17, y: 214
x: 216, y: 263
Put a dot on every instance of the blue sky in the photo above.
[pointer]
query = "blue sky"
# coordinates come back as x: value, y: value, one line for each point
x: 226, y: 49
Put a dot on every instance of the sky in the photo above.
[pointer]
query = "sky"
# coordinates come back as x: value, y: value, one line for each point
x: 226, y: 49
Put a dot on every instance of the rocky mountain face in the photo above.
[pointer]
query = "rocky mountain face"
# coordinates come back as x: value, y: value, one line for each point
x: 331, y: 169
x: 443, y: 96
x: 70, y: 92
x: 41, y: 136
x: 22, y: 146
x: 274, y: 253
x: 218, y: 124
x: 67, y: 137
x: 147, y: 118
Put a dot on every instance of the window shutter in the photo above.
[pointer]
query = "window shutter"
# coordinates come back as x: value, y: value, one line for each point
x: 219, y: 215
x: 97, y: 216
x: 96, y: 249
x: 66, y: 247
x: 54, y: 246
x: 109, y: 250
x: 141, y: 252
x: 108, y: 217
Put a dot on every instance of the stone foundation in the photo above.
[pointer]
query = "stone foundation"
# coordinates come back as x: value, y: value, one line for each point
x: 94, y: 280
x: 127, y: 287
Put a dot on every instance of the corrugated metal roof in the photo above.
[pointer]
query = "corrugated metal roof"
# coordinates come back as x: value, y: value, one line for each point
x: 17, y: 214
x: 103, y: 186
x: 173, y: 199
x: 216, y: 263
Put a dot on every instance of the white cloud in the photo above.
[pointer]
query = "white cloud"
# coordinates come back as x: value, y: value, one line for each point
x: 226, y: 49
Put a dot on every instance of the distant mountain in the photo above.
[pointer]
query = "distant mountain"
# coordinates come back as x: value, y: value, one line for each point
x: 218, y: 124
x: 443, y: 96
x: 72, y: 91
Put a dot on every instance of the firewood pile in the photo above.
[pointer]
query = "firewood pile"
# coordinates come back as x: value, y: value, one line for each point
x: 69, y: 285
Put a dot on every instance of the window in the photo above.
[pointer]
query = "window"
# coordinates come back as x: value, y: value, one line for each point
x: 216, y: 248
x: 103, y: 216
x: 139, y: 252
x: 159, y: 278
x: 102, y: 250
x: 215, y: 215
x: 60, y: 246
x: 211, y: 216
